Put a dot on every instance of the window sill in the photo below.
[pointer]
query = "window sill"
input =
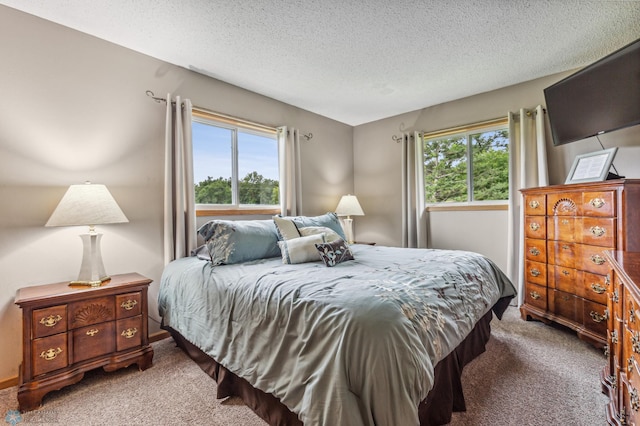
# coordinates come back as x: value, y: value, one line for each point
x: 466, y: 207
x: 236, y: 212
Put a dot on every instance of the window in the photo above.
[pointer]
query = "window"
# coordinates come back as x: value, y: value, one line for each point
x: 468, y: 164
x: 235, y: 164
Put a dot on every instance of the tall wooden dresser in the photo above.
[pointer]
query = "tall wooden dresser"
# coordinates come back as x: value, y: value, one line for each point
x: 567, y: 228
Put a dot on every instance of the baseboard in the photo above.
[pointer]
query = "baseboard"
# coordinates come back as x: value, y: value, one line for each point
x: 159, y: 335
x: 8, y: 383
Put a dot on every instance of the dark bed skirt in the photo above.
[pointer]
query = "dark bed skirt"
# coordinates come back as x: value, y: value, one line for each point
x: 445, y: 397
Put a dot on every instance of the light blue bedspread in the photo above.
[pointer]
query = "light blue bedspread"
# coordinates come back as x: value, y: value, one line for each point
x: 355, y: 344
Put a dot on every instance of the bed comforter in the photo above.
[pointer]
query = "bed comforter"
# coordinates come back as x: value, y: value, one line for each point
x: 355, y: 344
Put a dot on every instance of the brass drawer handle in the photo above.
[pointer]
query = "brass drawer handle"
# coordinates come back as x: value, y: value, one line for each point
x: 51, y: 320
x: 50, y: 354
x: 597, y: 202
x: 635, y: 343
x: 129, y: 333
x: 534, y: 295
x: 564, y: 221
x: 596, y: 317
x: 630, y: 364
x: 566, y: 273
x: 597, y: 259
x: 92, y: 332
x: 535, y: 272
x: 633, y: 398
x: 598, y: 231
x: 534, y: 204
x: 534, y: 226
x: 566, y: 247
x: 614, y: 336
x: 597, y: 288
x: 534, y: 251
x: 129, y: 304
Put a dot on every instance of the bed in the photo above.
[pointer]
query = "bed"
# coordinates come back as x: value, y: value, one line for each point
x: 331, y: 334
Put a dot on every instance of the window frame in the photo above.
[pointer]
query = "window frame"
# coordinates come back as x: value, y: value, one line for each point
x: 466, y: 131
x: 235, y: 125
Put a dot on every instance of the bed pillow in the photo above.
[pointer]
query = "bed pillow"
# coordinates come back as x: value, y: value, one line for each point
x: 301, y: 249
x: 330, y: 220
x: 335, y: 252
x: 235, y: 241
x: 329, y: 234
x: 285, y: 228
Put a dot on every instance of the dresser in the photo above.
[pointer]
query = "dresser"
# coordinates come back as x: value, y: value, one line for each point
x: 621, y: 375
x: 68, y: 330
x: 567, y: 228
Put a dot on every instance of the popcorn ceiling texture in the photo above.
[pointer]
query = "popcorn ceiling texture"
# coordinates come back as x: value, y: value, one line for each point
x: 358, y: 61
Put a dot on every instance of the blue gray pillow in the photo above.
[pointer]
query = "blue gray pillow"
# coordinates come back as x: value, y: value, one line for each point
x: 330, y: 220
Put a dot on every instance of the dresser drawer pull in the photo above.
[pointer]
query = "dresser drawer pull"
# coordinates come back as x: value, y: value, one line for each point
x: 564, y: 221
x: 598, y: 231
x: 534, y: 251
x: 614, y: 336
x: 129, y: 333
x: 92, y: 332
x: 534, y: 295
x: 633, y: 398
x: 129, y: 304
x: 50, y: 354
x: 635, y: 343
x: 566, y: 273
x: 565, y: 247
x: 597, y: 288
x: 597, y: 259
x: 50, y: 321
x: 534, y: 204
x: 534, y: 226
x: 632, y: 315
x: 597, y: 202
x: 630, y: 364
x: 535, y: 272
x: 596, y: 317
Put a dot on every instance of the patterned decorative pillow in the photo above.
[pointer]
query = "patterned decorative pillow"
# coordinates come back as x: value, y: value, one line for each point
x: 285, y: 228
x: 330, y: 220
x: 335, y: 252
x: 301, y: 249
x: 235, y: 241
x: 329, y: 234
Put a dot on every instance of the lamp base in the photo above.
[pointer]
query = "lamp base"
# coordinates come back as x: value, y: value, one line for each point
x: 92, y: 272
x: 348, y: 229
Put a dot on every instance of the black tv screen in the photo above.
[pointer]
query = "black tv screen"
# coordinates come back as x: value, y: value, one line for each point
x: 600, y: 98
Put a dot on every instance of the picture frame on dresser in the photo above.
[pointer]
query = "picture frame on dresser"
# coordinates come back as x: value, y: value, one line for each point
x: 591, y: 167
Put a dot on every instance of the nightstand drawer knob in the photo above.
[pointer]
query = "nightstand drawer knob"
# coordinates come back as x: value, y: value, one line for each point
x: 51, y: 320
x: 92, y: 332
x: 50, y: 354
x: 129, y: 304
x: 129, y: 333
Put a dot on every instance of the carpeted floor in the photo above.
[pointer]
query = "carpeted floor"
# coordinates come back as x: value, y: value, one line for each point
x: 531, y: 374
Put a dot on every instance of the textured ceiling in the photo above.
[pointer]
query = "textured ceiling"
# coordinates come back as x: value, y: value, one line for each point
x: 358, y: 61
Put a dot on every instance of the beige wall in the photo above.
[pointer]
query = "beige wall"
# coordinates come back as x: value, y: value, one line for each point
x: 378, y: 174
x: 73, y: 108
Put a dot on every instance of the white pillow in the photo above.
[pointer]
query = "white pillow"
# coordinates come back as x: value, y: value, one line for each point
x: 329, y: 234
x: 301, y: 250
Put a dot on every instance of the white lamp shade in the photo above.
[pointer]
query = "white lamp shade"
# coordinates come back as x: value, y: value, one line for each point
x: 349, y: 206
x: 87, y: 204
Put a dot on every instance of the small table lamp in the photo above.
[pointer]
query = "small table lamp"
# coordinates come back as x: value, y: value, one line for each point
x: 88, y: 204
x: 349, y: 206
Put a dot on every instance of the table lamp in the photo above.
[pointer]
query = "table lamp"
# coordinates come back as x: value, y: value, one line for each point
x: 88, y: 204
x: 349, y: 206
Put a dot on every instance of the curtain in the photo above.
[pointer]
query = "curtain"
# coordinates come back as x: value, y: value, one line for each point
x: 179, y: 198
x: 414, y: 233
x: 290, y: 172
x: 527, y: 169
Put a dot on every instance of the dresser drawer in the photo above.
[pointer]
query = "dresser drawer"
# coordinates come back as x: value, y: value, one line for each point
x: 92, y: 311
x: 535, y: 227
x: 564, y: 204
x: 128, y: 333
x: 566, y: 305
x: 599, y: 203
x: 592, y: 260
x: 536, y: 295
x: 535, y: 250
x: 535, y: 272
x: 535, y: 205
x: 128, y: 305
x: 563, y: 228
x: 564, y: 279
x: 595, y: 287
x: 93, y: 340
x: 598, y: 231
x: 49, y: 353
x: 563, y: 253
x: 49, y: 321
x: 595, y: 317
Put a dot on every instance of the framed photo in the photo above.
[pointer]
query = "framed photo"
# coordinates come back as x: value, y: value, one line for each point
x: 591, y: 167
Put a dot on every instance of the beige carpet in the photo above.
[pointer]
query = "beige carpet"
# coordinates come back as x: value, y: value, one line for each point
x: 531, y: 374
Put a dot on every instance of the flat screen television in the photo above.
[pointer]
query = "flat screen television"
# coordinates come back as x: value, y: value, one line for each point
x: 600, y: 98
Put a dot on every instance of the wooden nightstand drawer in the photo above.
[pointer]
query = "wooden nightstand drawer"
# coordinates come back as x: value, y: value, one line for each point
x: 92, y: 341
x: 49, y: 321
x: 49, y: 354
x: 128, y: 305
x: 91, y: 311
x: 128, y: 333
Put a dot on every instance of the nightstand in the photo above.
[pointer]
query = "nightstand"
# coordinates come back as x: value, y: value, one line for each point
x: 68, y: 330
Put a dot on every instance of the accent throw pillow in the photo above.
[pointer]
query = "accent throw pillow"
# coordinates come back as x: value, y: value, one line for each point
x: 330, y: 220
x: 301, y: 249
x: 335, y: 252
x: 286, y: 229
x: 329, y: 234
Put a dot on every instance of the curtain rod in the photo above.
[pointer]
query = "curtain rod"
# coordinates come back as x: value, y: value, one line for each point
x: 223, y: 117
